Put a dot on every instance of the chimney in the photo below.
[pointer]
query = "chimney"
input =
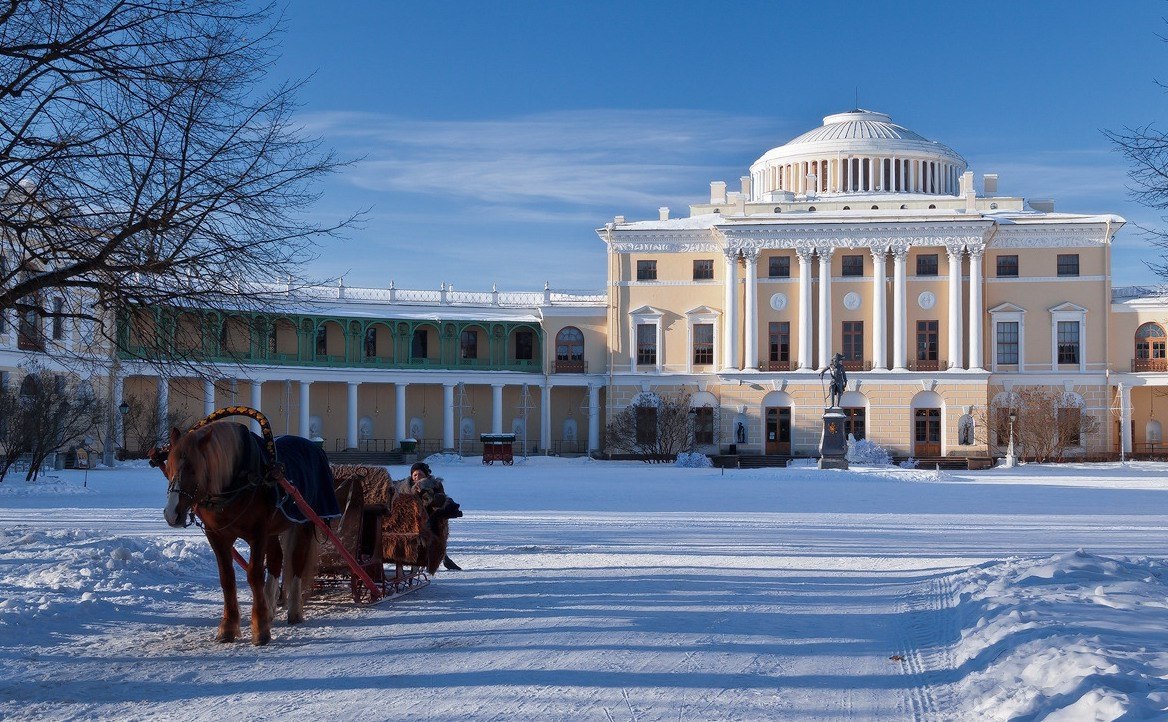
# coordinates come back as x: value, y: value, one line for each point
x: 738, y: 201
x: 1043, y: 205
x: 663, y: 213
x: 968, y: 191
x: 618, y: 220
x: 717, y: 193
x: 745, y: 182
x: 812, y: 185
x: 990, y: 183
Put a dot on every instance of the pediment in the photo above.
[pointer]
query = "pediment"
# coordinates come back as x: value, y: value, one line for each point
x: 1007, y: 308
x: 647, y: 311
x: 1068, y: 307
x: 703, y: 311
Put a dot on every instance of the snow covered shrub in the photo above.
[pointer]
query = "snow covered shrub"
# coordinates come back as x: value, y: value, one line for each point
x: 693, y: 460
x: 909, y: 463
x: 867, y: 453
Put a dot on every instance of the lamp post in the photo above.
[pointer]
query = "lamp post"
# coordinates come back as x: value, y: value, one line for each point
x: 123, y: 409
x: 1010, y: 461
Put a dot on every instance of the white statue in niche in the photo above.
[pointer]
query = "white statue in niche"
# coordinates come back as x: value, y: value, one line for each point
x: 417, y: 428
x: 569, y: 431
x: 315, y: 425
x: 365, y: 428
x: 468, y: 429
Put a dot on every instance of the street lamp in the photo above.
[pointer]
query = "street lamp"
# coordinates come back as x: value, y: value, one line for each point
x: 1010, y: 461
x: 123, y: 409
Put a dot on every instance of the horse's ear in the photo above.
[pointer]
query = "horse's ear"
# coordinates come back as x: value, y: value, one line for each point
x: 174, y: 434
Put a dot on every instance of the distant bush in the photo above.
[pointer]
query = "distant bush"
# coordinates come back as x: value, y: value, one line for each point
x: 867, y: 453
x: 909, y: 463
x: 693, y: 460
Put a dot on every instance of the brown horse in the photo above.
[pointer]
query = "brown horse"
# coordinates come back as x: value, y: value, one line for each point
x: 218, y: 474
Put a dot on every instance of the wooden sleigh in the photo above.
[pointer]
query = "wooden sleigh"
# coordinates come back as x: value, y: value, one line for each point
x: 379, y: 527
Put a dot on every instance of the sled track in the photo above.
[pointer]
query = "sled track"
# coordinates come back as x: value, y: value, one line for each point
x: 927, y: 653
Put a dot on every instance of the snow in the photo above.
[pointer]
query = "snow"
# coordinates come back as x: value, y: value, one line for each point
x: 619, y: 591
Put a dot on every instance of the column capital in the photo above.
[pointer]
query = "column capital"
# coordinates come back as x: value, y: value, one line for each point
x: 804, y: 253
x: 825, y: 251
x: 497, y: 386
x: 731, y: 254
x: 975, y: 252
x: 879, y: 252
x: 900, y: 251
x: 750, y: 255
x: 954, y: 249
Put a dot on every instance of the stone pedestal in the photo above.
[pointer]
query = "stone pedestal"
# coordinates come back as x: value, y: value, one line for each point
x: 833, y: 443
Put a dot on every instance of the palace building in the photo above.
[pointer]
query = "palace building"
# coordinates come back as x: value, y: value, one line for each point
x: 946, y: 299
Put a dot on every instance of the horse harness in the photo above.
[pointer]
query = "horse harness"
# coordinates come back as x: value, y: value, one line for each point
x: 245, y: 480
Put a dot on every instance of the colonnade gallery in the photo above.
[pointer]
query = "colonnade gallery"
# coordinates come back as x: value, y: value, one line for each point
x: 946, y: 298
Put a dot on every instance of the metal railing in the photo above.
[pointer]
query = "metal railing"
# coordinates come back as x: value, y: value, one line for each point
x: 570, y: 366
x: 926, y: 365
x: 768, y: 365
x: 1143, y: 365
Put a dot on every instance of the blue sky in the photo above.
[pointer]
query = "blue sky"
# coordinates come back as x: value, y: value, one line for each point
x: 494, y: 138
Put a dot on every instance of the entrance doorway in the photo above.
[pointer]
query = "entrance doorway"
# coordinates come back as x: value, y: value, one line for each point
x: 778, y: 430
x: 926, y: 433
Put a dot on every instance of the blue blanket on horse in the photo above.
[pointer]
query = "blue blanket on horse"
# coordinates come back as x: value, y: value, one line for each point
x: 307, y: 467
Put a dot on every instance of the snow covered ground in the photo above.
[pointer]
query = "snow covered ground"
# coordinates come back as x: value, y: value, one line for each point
x: 621, y: 591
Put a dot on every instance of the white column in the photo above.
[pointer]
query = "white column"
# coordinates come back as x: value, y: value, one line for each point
x: 399, y: 412
x: 163, y: 430
x: 593, y: 418
x: 750, y: 315
x: 975, y: 310
x: 879, y: 312
x: 447, y: 416
x: 825, y: 253
x: 956, y: 358
x: 730, y: 316
x: 305, y: 408
x: 545, y: 418
x: 805, y: 350
x: 899, y: 262
x: 496, y: 408
x: 351, y: 420
x: 257, y: 388
x: 1125, y: 414
x: 208, y: 398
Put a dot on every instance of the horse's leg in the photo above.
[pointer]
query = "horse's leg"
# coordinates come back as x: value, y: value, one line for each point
x: 275, y: 563
x: 261, y: 627
x: 302, y: 561
x: 229, y: 626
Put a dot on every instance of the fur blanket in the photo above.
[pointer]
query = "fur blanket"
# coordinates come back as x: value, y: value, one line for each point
x: 407, y: 534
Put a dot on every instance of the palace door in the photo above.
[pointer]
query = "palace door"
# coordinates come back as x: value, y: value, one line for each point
x: 778, y: 430
x: 926, y: 433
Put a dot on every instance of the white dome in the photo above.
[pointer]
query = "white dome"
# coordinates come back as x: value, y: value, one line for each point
x: 860, y: 151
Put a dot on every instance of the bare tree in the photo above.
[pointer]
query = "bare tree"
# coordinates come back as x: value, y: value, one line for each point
x: 1047, y: 424
x: 143, y: 425
x: 50, y: 412
x: 656, y: 428
x: 147, y: 162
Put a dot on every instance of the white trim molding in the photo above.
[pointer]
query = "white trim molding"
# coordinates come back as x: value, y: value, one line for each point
x: 693, y: 317
x: 1068, y: 312
x: 1008, y: 313
x: 647, y: 316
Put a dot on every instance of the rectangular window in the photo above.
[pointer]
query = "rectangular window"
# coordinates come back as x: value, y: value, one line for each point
x: 703, y: 270
x: 928, y: 340
x: 779, y: 267
x: 646, y: 424
x: 646, y: 344
x: 780, y: 342
x: 927, y: 264
x: 703, y: 343
x: 524, y: 345
x: 1007, y: 342
x: 1007, y: 266
x: 854, y: 423
x: 419, y: 344
x: 1068, y: 342
x: 646, y: 270
x: 1068, y: 264
x: 1070, y: 426
x: 703, y: 425
x: 468, y: 346
x: 853, y: 265
x: 853, y: 341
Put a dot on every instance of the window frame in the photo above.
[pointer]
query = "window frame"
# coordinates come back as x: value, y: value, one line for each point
x: 704, y: 272
x: 647, y: 269
x: 779, y: 266
x: 849, y: 263
x: 923, y: 262
x: 1067, y: 265
x: 1003, y: 270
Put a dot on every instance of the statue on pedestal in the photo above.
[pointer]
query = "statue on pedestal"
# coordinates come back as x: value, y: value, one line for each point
x: 839, y: 379
x: 833, y: 443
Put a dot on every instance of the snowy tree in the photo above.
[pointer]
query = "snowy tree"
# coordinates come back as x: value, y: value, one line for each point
x: 146, y: 160
x: 654, y: 427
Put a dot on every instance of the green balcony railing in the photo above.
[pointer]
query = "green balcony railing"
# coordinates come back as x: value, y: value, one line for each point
x: 336, y: 361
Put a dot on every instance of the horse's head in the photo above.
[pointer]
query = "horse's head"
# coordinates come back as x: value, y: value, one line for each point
x: 199, y: 465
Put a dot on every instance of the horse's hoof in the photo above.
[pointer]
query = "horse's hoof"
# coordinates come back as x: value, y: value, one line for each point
x: 261, y: 639
x: 225, y: 636
x: 295, y: 618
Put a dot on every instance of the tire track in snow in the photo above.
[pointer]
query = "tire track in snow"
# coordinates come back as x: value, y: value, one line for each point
x: 926, y: 652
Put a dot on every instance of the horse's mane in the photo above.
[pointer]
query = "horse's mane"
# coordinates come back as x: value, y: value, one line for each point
x: 222, y: 447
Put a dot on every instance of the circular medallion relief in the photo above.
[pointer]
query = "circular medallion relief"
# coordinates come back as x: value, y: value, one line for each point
x: 926, y: 300
x: 852, y: 301
x: 779, y: 301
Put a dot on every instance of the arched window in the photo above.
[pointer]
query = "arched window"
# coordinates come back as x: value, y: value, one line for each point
x: 1150, y: 348
x: 847, y: 208
x: 570, y: 350
x: 30, y: 387
x: 932, y: 207
x: 875, y: 208
x: 371, y: 342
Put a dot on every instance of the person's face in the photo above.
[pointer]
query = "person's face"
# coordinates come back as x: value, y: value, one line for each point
x: 417, y: 475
